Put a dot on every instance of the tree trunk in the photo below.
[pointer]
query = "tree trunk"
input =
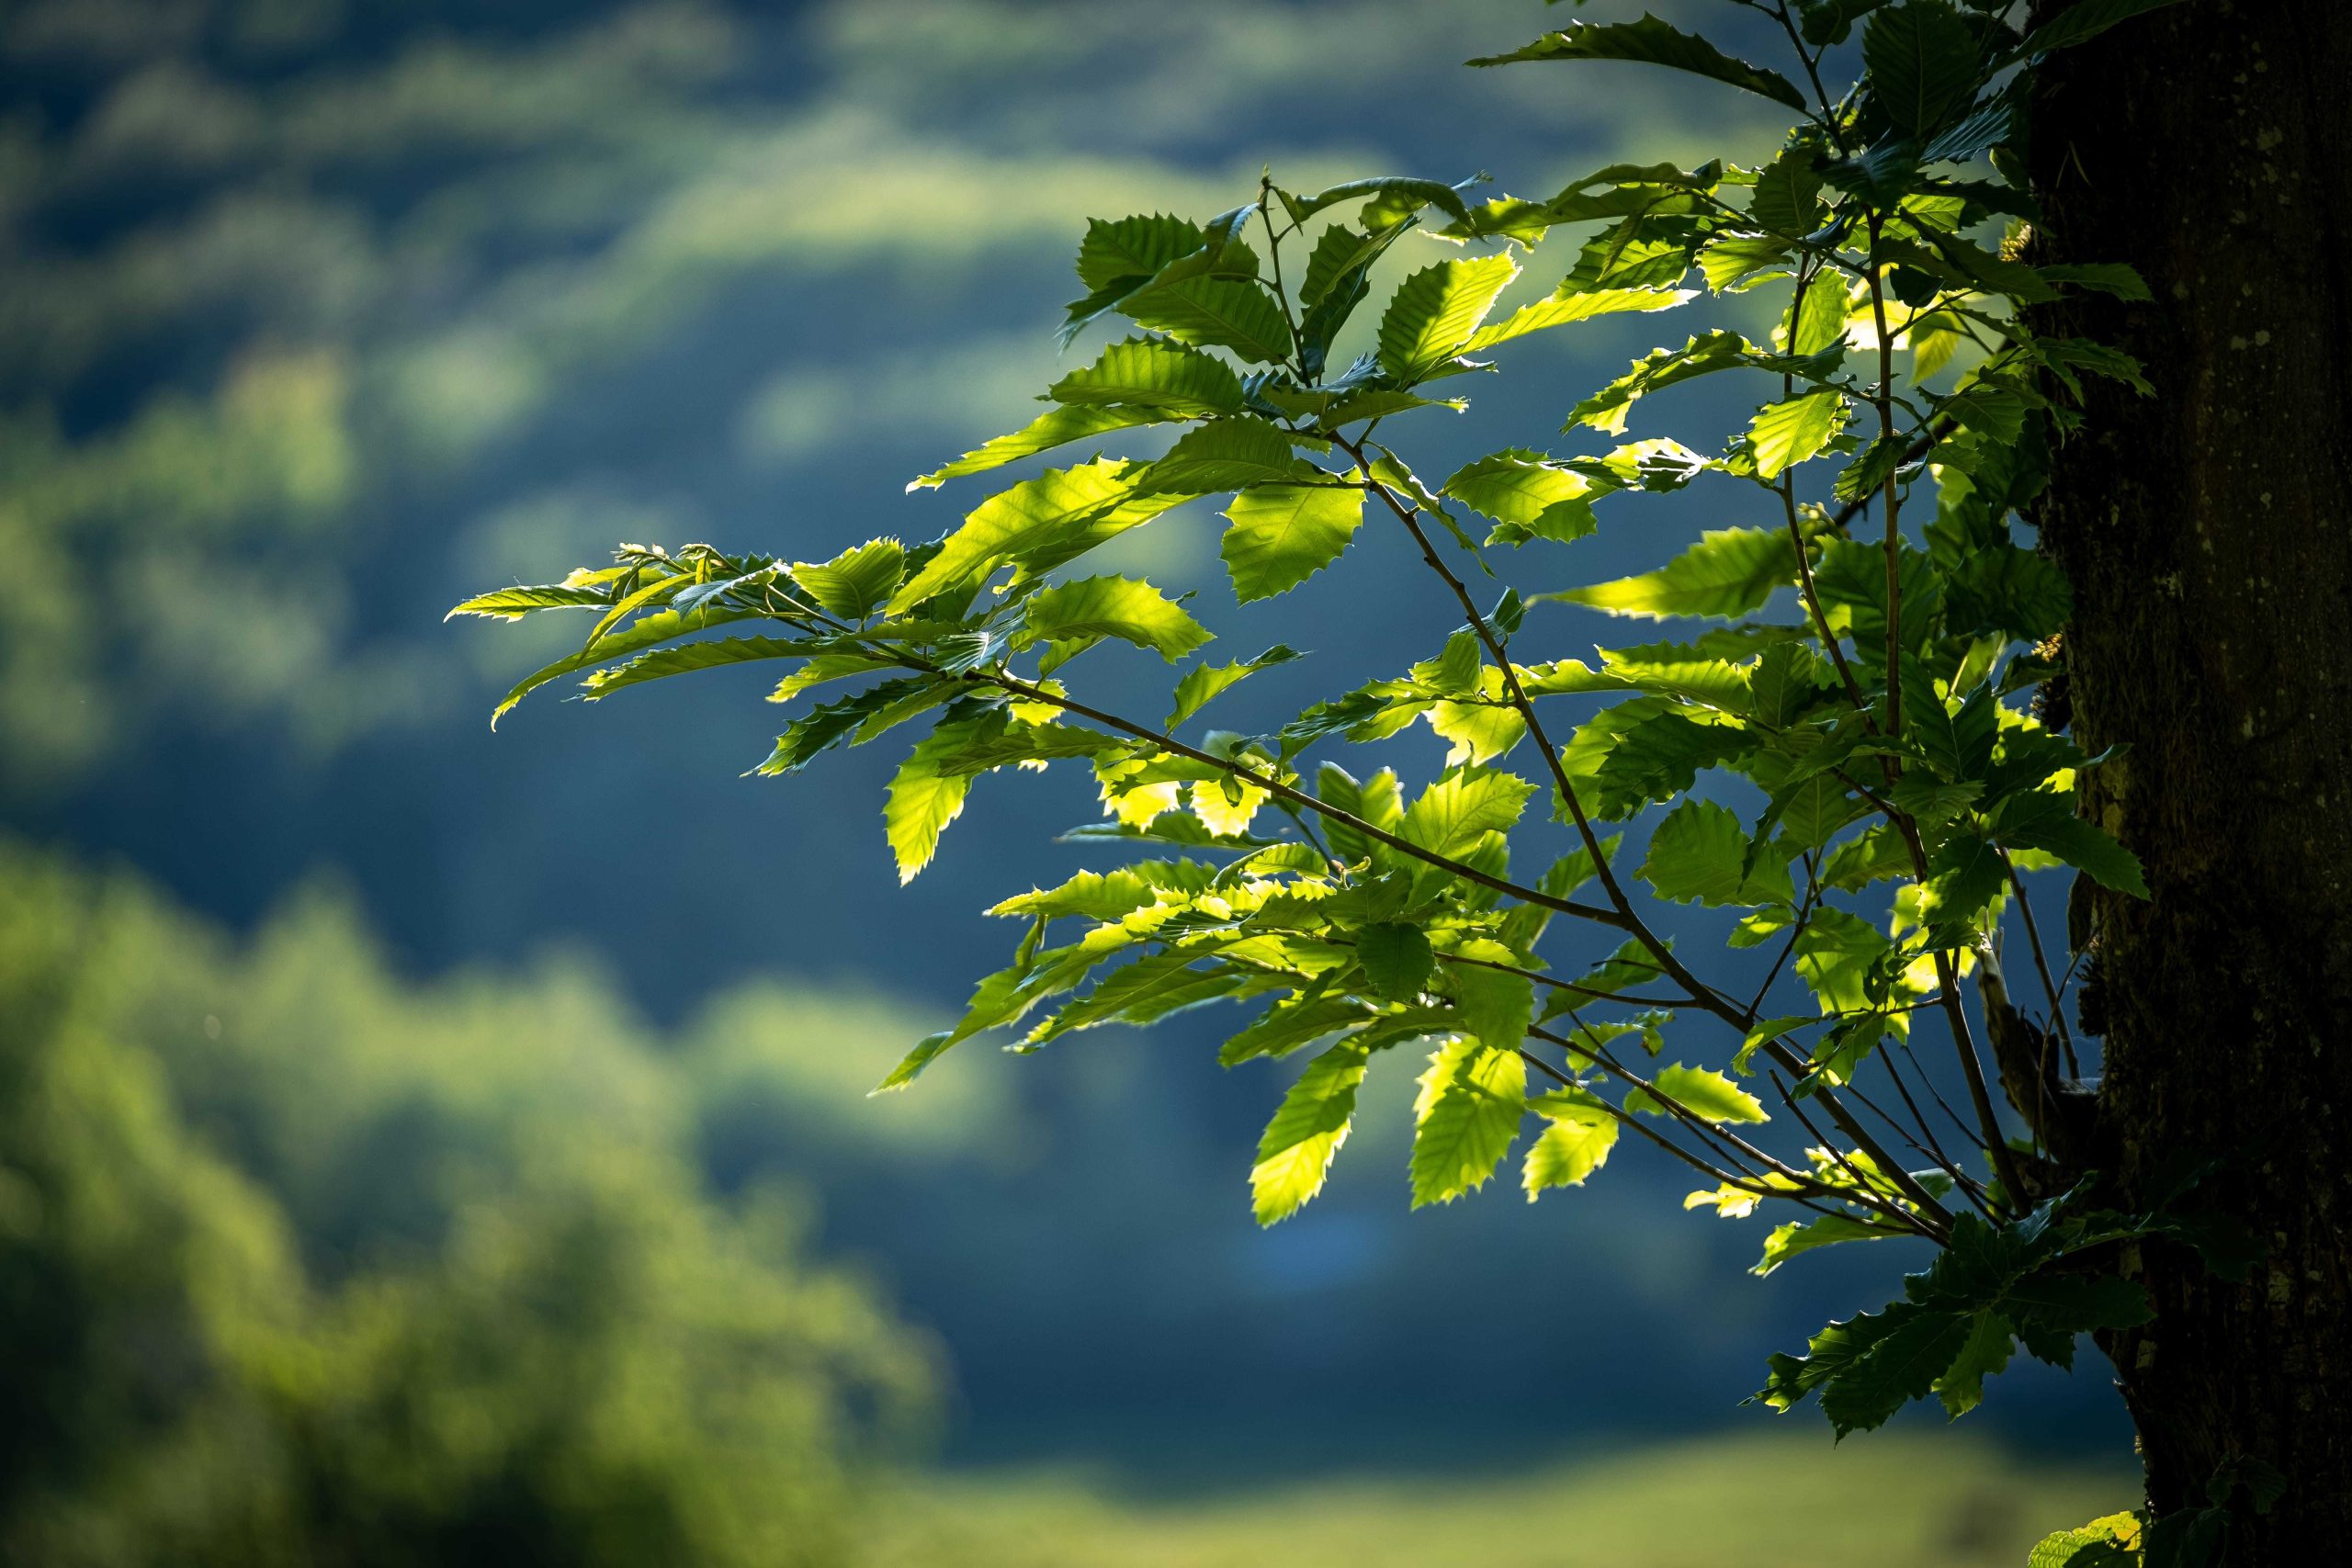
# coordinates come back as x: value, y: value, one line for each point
x: 2208, y: 533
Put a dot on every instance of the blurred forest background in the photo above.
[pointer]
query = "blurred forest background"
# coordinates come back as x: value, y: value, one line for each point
x: 376, y: 1186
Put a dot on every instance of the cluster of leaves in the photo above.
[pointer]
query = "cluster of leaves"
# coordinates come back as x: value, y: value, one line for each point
x: 2185, y: 1537
x: 1861, y: 691
x: 2037, y: 1281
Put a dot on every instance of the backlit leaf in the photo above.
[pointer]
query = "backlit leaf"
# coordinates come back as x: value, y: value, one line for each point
x: 855, y: 584
x: 1295, y: 1152
x: 1654, y: 42
x: 1030, y: 515
x: 1134, y: 247
x: 1575, y: 1142
x: 1700, y: 852
x: 1472, y: 1100
x: 1728, y: 572
x: 1219, y: 312
x: 1055, y: 427
x: 1786, y: 434
x: 1435, y: 312
x: 1281, y: 535
x: 923, y: 799
x: 1524, y: 488
x: 1156, y: 373
x: 1226, y: 454
x: 1452, y: 815
x: 1204, y: 681
x: 1111, y: 606
x: 1703, y: 1092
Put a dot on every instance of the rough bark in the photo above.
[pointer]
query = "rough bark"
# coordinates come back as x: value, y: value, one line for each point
x: 2208, y: 533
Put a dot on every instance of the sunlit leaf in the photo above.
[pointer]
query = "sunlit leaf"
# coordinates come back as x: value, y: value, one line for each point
x: 1111, y: 606
x: 1295, y: 1153
x: 1280, y: 534
x: 1654, y: 42
x: 1472, y: 1100
x: 1729, y: 571
x: 1436, y: 311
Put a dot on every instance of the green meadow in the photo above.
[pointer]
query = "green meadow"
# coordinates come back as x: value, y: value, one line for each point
x: 1777, y: 1501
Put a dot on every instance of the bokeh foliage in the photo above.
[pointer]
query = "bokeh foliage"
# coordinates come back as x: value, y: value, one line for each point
x: 300, y: 1264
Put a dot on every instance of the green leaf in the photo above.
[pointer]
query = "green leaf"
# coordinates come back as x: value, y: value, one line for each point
x: 2080, y: 1303
x: 1786, y: 434
x: 1993, y: 412
x: 1653, y: 42
x: 1297, y: 1020
x: 828, y: 667
x: 1815, y: 808
x: 1397, y: 960
x: 1901, y: 1367
x: 1133, y: 248
x: 1338, y: 252
x: 1700, y: 852
x: 1221, y: 312
x: 1570, y: 304
x: 513, y: 603
x: 1833, y: 1351
x: 1055, y: 427
x: 1958, y: 745
x: 1029, y: 515
x: 685, y: 658
x: 1472, y: 1100
x: 1012, y: 743
x: 1435, y: 312
x: 1453, y: 814
x: 1703, y: 1092
x: 1798, y: 1237
x: 2008, y: 590
x: 1821, y: 316
x: 1142, y: 992
x: 1111, y: 606
x: 1205, y: 681
x: 1653, y: 758
x: 645, y: 632
x: 1156, y: 373
x: 2048, y: 823
x: 1922, y: 63
x: 1784, y: 683
x: 1478, y: 731
x: 855, y: 584
x: 1398, y: 197
x: 924, y: 797
x: 829, y: 724
x: 1704, y: 355
x: 1787, y: 199
x: 1526, y: 489
x: 1283, y: 534
x: 1836, y: 956
x: 1733, y: 263
x: 1989, y: 1345
x: 1714, y: 682
x: 2109, y: 1543
x: 1728, y: 572
x: 2081, y: 22
x: 1375, y: 800
x: 1227, y: 454
x: 1574, y: 1143
x: 1659, y: 465
x: 1295, y: 1153
x: 1456, y: 667
x: 1497, y: 1007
